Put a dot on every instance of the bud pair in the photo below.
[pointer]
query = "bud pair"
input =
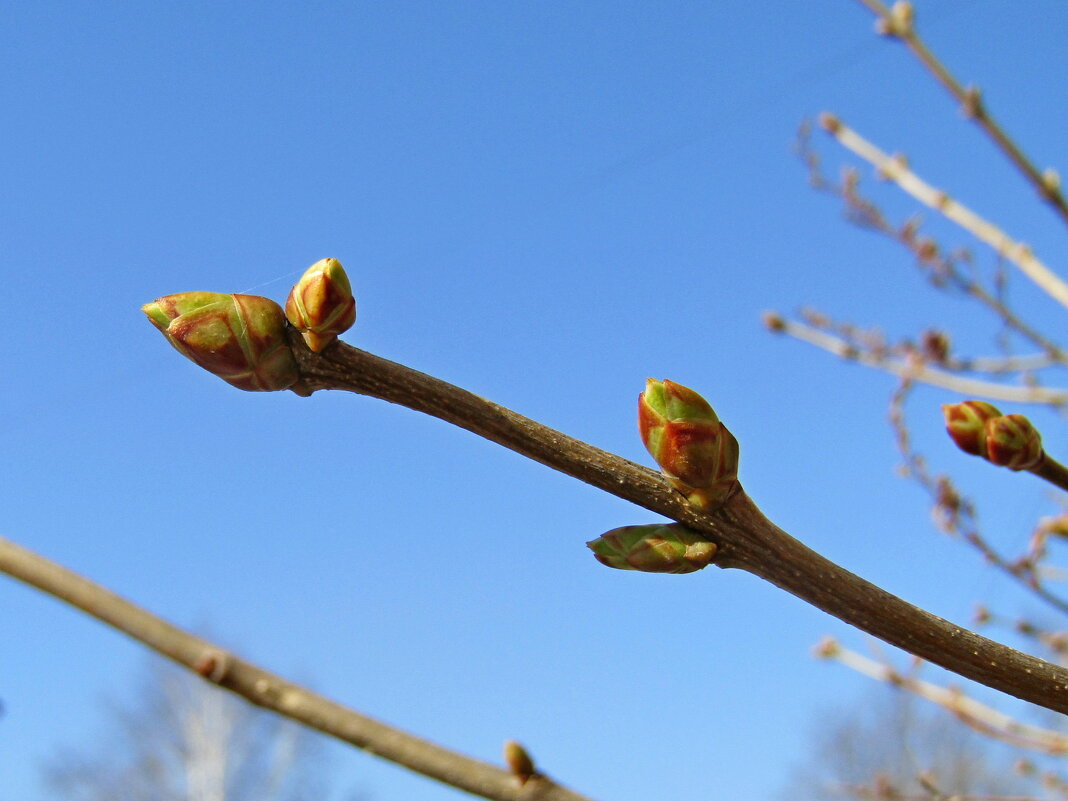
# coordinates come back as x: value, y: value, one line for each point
x: 658, y: 548
x: 980, y: 429
x: 695, y: 451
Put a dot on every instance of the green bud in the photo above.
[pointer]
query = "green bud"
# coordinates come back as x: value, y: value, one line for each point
x: 966, y: 424
x: 696, y: 452
x: 658, y: 548
x: 321, y: 305
x: 240, y: 338
x: 1013, y: 442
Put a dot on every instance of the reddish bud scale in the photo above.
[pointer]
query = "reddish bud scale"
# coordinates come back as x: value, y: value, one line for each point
x: 696, y: 452
x: 239, y: 338
x: 321, y: 304
x: 966, y: 424
x: 1013, y: 442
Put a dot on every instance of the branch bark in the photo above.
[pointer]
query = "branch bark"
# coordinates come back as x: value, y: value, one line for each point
x: 746, y: 539
x: 272, y: 692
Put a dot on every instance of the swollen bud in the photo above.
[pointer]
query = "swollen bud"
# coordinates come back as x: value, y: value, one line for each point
x: 519, y: 761
x: 966, y: 424
x: 321, y: 305
x: 240, y: 338
x: 659, y: 548
x: 1013, y: 442
x: 696, y: 452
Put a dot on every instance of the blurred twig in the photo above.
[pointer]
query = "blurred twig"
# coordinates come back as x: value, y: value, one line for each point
x: 898, y: 22
x: 975, y: 714
x: 912, y: 368
x: 944, y: 269
x: 272, y: 692
x: 895, y: 168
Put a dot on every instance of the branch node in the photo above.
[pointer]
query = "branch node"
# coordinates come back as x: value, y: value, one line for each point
x: 213, y: 665
x: 972, y: 103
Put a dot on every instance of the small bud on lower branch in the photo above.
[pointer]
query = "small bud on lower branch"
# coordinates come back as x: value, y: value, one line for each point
x: 660, y: 548
x: 239, y: 338
x: 696, y: 452
x: 321, y: 305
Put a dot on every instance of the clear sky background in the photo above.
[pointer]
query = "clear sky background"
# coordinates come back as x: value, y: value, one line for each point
x: 544, y: 203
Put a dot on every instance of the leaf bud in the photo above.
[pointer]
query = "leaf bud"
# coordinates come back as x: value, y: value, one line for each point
x: 966, y: 424
x: 657, y: 548
x: 321, y: 304
x: 696, y: 452
x: 1013, y: 442
x: 239, y: 338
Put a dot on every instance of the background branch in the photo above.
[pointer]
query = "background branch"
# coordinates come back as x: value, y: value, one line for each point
x: 272, y: 692
x: 895, y: 168
x: 913, y: 370
x: 901, y: 26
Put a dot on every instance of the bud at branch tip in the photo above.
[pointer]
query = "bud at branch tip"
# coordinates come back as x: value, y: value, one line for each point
x: 239, y: 338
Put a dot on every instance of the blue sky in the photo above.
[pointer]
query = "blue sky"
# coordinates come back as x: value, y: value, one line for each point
x: 544, y: 203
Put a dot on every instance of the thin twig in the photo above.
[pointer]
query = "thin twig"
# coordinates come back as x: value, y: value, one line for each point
x: 943, y: 269
x: 907, y: 368
x: 896, y: 169
x: 975, y: 714
x: 744, y: 537
x: 272, y: 692
x: 971, y: 102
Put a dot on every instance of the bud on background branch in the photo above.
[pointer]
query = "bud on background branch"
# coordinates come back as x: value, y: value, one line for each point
x: 1013, y: 442
x: 966, y: 424
x: 980, y: 429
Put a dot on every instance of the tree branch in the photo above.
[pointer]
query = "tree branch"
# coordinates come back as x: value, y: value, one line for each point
x: 1045, y: 183
x: 895, y: 168
x: 913, y: 370
x: 745, y: 538
x: 272, y: 692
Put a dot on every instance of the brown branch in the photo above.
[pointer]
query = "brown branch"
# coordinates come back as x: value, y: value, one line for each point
x: 902, y: 27
x: 745, y: 538
x: 1049, y: 469
x: 272, y: 692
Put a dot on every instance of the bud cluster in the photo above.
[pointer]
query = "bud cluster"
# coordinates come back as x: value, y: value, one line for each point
x: 242, y: 338
x: 1009, y: 440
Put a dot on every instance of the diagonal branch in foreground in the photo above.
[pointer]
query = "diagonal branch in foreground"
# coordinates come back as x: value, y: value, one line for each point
x: 745, y: 538
x: 273, y: 692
